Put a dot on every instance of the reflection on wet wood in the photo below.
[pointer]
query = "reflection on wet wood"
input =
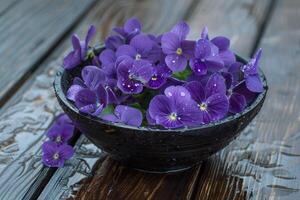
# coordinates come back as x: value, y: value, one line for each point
x: 264, y: 162
x: 36, y: 28
x: 112, y: 181
x: 196, y: 19
x: 155, y: 17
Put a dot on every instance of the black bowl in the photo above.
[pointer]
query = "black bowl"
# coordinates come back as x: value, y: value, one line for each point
x: 154, y: 149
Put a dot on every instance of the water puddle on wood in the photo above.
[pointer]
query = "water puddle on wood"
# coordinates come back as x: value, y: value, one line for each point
x: 267, y: 169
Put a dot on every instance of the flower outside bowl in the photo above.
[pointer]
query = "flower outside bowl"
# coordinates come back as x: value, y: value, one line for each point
x: 155, y: 149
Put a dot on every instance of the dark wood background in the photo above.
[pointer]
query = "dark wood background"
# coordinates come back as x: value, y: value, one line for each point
x: 263, y: 163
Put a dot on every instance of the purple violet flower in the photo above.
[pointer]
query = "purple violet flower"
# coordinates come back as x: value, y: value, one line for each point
x: 177, y: 49
x: 91, y: 102
x: 225, y: 53
x: 89, y: 95
x: 113, y: 42
x: 60, y: 133
x: 251, y: 75
x: 94, y: 80
x: 108, y: 59
x: 141, y: 47
x: 63, y: 119
x: 223, y: 44
x: 212, y: 101
x: 174, y: 109
x: 55, y: 155
x: 125, y: 114
x: 80, y: 48
x: 206, y: 56
x: 133, y: 75
x: 237, y: 101
x: 131, y: 28
x: 160, y: 74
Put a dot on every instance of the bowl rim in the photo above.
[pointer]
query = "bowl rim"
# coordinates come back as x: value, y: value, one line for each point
x: 62, y: 97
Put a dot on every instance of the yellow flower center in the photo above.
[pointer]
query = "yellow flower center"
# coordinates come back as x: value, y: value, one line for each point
x: 202, y: 106
x: 179, y: 51
x: 154, y: 78
x: 173, y: 116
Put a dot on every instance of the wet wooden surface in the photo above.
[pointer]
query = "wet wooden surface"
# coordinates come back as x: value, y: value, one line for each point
x: 263, y: 163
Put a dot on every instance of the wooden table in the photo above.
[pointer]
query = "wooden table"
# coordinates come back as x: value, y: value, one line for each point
x: 263, y: 163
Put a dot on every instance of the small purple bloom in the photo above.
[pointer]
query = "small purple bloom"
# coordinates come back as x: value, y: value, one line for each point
x: 55, y: 155
x: 160, y: 74
x: 225, y: 53
x: 178, y: 49
x: 91, y: 102
x: 133, y: 75
x: 174, y: 109
x: 92, y: 77
x: 251, y: 75
x: 63, y: 119
x: 108, y: 59
x: 141, y: 47
x: 80, y: 48
x: 113, y: 42
x: 223, y: 45
x: 125, y: 114
x: 60, y: 133
x: 131, y: 28
x: 206, y: 56
x: 212, y: 101
x: 94, y: 80
x: 237, y: 101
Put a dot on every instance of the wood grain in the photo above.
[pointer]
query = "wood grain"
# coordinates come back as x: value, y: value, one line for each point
x: 103, y: 183
x: 65, y: 181
x: 32, y: 109
x: 29, y: 31
x: 264, y: 162
x: 6, y: 5
x: 112, y: 181
x: 23, y: 122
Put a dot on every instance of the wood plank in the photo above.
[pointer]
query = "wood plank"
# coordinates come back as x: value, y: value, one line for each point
x: 112, y: 181
x: 264, y: 162
x: 195, y: 19
x: 29, y: 30
x: 24, y: 119
x: 23, y: 122
x: 6, y: 5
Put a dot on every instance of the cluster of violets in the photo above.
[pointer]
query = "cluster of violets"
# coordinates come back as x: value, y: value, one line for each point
x: 56, y: 150
x: 168, y: 80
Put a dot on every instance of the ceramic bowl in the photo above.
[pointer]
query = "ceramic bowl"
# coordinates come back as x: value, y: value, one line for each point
x: 155, y: 149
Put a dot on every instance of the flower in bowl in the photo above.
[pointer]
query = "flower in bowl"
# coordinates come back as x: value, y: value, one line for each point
x: 161, y: 103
